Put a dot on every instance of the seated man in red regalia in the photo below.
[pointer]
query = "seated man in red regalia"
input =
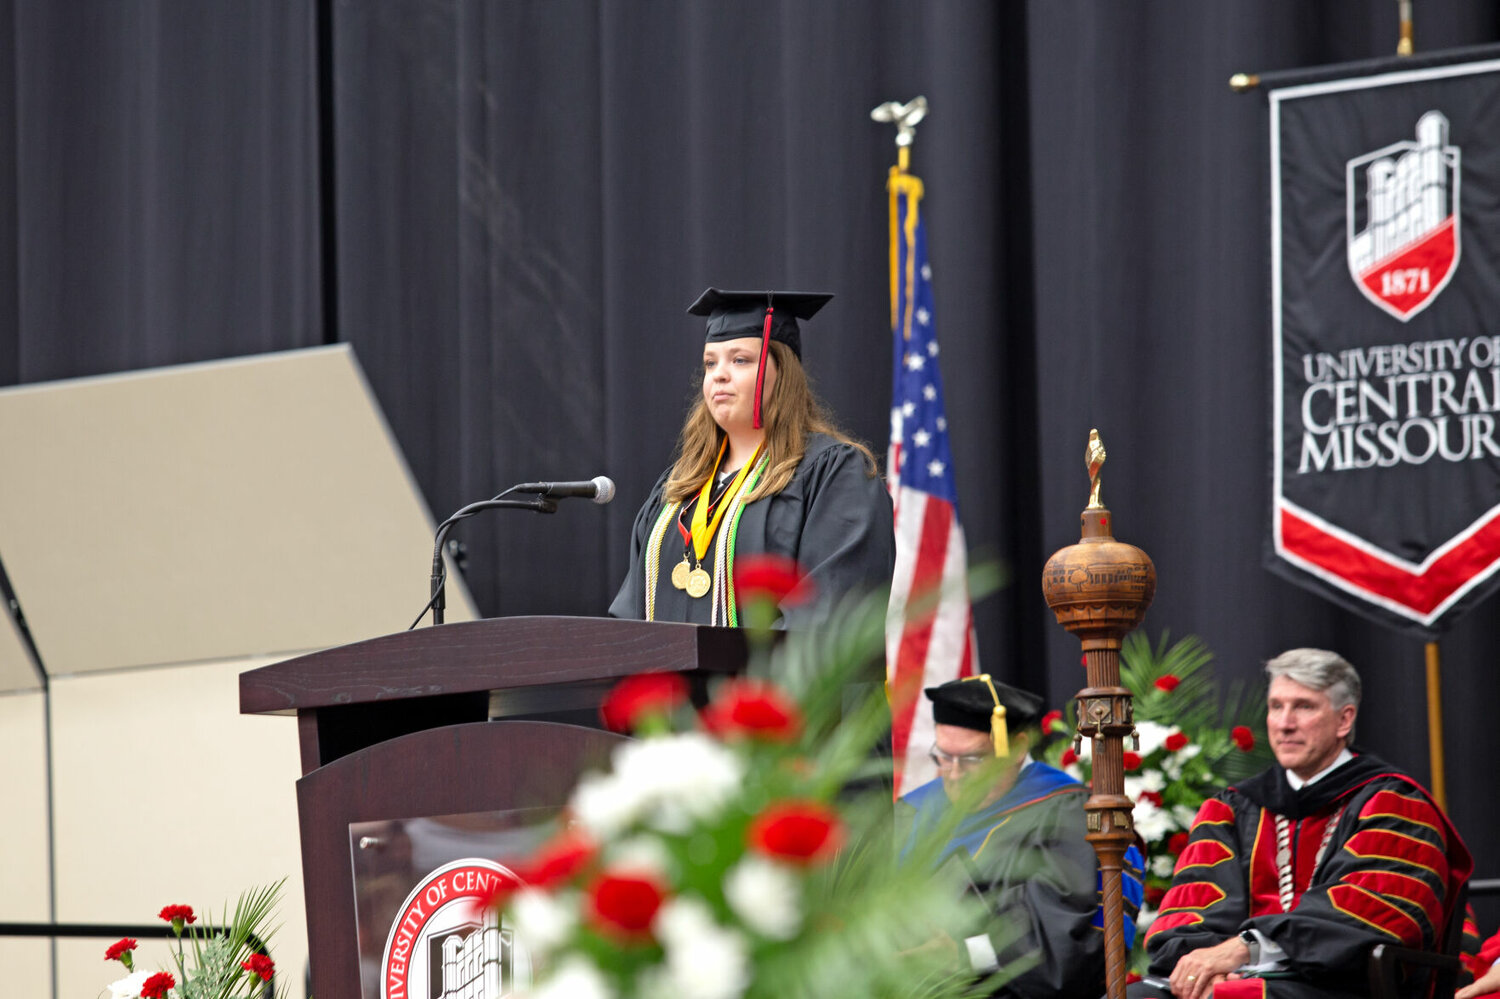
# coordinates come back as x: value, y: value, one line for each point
x: 1291, y: 877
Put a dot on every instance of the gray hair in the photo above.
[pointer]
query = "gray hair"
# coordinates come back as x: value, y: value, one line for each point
x: 1321, y: 670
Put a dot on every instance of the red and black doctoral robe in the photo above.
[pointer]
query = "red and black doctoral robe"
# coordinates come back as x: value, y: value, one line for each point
x: 1371, y: 859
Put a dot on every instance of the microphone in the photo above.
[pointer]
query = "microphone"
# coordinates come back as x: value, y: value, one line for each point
x: 600, y: 489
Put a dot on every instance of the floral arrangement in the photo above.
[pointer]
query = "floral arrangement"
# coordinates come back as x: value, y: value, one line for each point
x: 1190, y: 747
x: 730, y: 851
x: 228, y: 963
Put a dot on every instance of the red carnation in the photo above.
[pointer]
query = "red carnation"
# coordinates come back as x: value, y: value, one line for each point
x: 260, y: 964
x: 120, y: 951
x: 1152, y: 796
x: 1243, y: 738
x: 755, y: 709
x: 623, y: 905
x: 157, y: 986
x: 1177, y: 842
x: 1154, y: 895
x: 771, y: 577
x: 1049, y: 719
x: 639, y: 696
x: 182, y: 912
x: 498, y: 894
x: 561, y: 857
x: 555, y: 861
x: 178, y: 915
x: 801, y: 832
x: 1068, y: 758
x: 1167, y: 682
x: 1175, y: 741
x: 1132, y: 761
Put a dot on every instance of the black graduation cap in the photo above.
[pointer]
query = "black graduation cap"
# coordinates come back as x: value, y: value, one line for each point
x: 985, y: 705
x: 771, y: 315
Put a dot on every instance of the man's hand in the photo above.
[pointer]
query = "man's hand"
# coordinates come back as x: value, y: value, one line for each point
x: 1488, y: 982
x: 1198, y: 971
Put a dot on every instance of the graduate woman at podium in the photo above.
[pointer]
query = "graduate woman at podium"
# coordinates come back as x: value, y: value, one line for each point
x: 760, y: 468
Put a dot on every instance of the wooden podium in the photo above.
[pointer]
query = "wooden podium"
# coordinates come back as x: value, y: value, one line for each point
x: 453, y: 720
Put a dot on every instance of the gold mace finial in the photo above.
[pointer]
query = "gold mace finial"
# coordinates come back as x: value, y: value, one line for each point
x: 1094, y: 456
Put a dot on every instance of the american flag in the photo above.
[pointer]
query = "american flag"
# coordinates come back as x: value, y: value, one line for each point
x: 930, y: 630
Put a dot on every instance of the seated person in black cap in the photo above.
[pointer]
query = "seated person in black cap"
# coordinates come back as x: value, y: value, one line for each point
x: 759, y: 469
x: 1022, y: 843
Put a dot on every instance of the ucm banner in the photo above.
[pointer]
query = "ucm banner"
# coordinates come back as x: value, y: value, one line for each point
x: 1385, y: 253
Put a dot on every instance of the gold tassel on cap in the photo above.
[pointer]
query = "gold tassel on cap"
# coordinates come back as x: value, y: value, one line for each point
x: 998, y: 732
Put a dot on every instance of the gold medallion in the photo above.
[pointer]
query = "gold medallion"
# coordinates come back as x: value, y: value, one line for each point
x: 699, y: 582
x: 680, y: 574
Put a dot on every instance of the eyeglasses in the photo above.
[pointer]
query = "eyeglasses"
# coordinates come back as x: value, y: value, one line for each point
x: 943, y: 760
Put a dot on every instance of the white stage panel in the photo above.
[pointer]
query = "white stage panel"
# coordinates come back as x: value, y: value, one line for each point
x: 257, y: 506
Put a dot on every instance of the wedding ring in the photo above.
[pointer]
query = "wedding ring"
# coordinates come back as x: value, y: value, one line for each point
x: 1192, y: 978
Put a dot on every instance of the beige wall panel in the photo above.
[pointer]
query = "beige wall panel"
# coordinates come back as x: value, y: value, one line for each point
x: 249, y: 507
x: 28, y: 968
x: 164, y: 793
x: 24, y: 860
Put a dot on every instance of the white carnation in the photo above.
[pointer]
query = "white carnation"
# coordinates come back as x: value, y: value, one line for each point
x: 1184, y: 815
x: 644, y: 854
x: 766, y: 897
x: 703, y: 959
x: 669, y: 781
x: 1162, y: 866
x: 1152, y: 780
x: 1152, y: 735
x: 683, y: 777
x: 1074, y: 771
x: 604, y: 804
x: 1134, y: 786
x: 542, y: 921
x: 129, y: 987
x: 1172, y: 766
x: 575, y: 978
x: 1151, y: 822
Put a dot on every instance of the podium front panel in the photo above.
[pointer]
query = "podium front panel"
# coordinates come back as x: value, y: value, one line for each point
x: 417, y: 886
x: 437, y: 811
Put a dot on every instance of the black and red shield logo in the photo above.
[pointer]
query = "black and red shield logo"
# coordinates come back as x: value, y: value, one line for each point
x: 1403, y: 219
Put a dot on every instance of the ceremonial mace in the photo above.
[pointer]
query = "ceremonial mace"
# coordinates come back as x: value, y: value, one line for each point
x: 1100, y: 589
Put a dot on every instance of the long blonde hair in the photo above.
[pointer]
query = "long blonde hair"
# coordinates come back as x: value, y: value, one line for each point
x: 791, y: 412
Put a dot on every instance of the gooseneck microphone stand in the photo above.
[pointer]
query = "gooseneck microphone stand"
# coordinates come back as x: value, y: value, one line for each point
x: 440, y: 569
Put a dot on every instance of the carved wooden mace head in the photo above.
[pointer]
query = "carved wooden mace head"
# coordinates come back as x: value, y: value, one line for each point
x: 1099, y: 588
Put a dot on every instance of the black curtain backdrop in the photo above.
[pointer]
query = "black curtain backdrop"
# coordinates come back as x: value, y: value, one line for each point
x: 506, y: 207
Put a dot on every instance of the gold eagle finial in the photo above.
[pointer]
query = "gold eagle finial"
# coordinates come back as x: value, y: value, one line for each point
x: 1094, y: 456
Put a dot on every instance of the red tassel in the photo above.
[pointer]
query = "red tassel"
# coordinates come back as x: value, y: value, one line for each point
x: 760, y: 374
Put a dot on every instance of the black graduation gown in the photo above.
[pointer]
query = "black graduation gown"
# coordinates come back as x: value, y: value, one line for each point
x: 833, y: 518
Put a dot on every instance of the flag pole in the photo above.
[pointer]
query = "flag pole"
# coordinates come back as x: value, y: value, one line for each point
x: 1243, y: 83
x: 1435, y: 725
x: 930, y: 623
